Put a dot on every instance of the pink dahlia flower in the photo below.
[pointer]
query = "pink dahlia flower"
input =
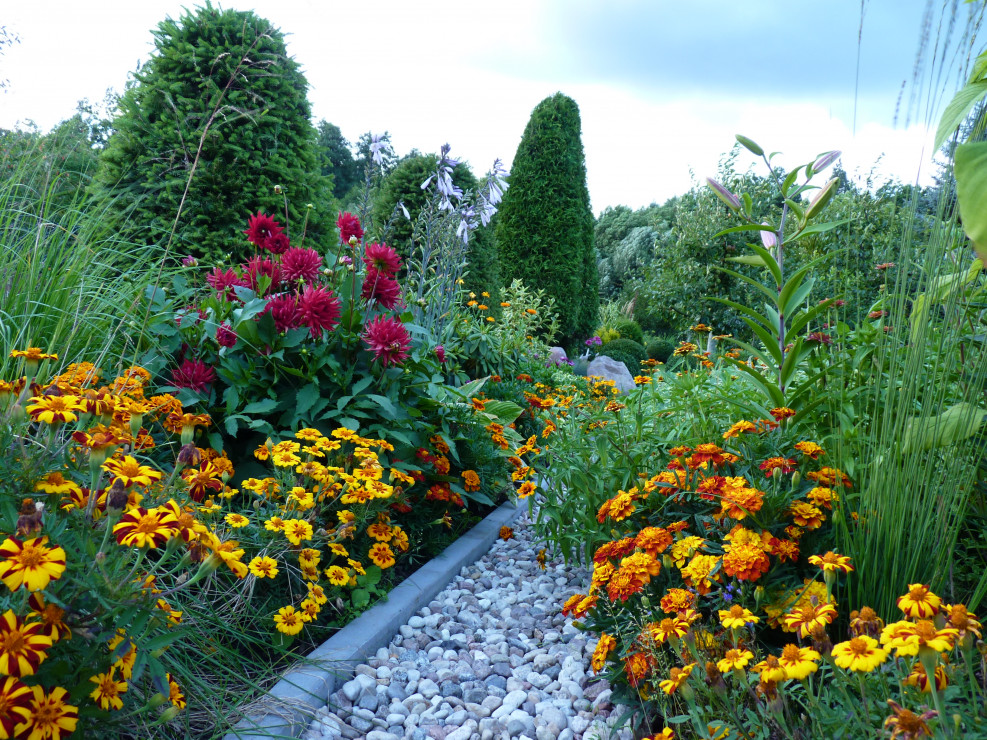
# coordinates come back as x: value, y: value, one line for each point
x: 349, y: 225
x: 260, y: 228
x: 380, y: 288
x: 225, y: 336
x: 193, y: 374
x: 284, y: 308
x: 382, y: 258
x: 318, y: 309
x: 256, y: 267
x: 223, y: 282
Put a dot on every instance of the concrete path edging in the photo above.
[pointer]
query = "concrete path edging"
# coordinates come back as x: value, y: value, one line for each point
x: 291, y: 704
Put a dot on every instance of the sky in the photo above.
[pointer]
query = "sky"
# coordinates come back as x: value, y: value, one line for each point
x: 662, y: 85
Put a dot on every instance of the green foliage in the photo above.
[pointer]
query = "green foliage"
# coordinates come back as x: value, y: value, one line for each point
x: 660, y: 348
x: 545, y: 227
x: 629, y: 329
x: 215, y: 126
x: 336, y: 160
x: 628, y: 351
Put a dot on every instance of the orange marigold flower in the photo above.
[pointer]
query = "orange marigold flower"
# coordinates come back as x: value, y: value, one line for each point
x: 637, y: 666
x: 604, y: 647
x: 810, y: 449
x: 623, y: 584
x: 784, y: 465
x: 471, y: 481
x: 677, y: 600
x: 904, y: 723
x: 698, y: 573
x: 738, y: 428
x: 506, y: 533
x: 653, y: 540
x: 829, y: 477
x: 382, y: 555
x: 806, y: 515
x: 782, y: 413
x: 745, y: 562
x: 708, y: 453
x: 676, y: 678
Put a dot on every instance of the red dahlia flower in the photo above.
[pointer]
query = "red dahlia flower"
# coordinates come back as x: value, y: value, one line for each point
x: 300, y: 264
x: 276, y: 243
x: 284, y: 308
x: 349, y: 225
x: 318, y: 309
x: 225, y: 335
x: 260, y: 228
x: 223, y: 282
x: 387, y: 338
x: 256, y: 267
x: 382, y: 258
x: 193, y: 374
x: 381, y: 288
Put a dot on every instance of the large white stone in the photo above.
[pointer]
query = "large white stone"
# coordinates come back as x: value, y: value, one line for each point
x: 557, y: 356
x: 610, y: 369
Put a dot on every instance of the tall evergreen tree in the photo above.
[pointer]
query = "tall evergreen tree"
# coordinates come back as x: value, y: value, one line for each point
x: 336, y: 159
x: 220, y: 109
x: 545, y: 225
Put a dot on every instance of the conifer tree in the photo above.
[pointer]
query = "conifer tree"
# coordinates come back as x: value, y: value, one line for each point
x: 545, y: 225
x: 215, y: 126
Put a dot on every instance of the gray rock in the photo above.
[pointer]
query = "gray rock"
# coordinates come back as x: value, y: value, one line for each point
x: 351, y: 690
x: 610, y: 369
x: 557, y: 356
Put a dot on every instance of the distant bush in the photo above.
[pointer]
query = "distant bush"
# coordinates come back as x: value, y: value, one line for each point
x: 660, y: 348
x: 629, y: 329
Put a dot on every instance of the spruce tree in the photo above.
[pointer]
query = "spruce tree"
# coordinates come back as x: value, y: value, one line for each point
x: 221, y: 109
x: 545, y: 225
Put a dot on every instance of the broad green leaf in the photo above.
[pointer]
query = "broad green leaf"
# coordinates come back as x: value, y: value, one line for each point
x: 957, y: 111
x: 955, y: 424
x: 769, y: 260
x: 360, y: 597
x: 385, y: 403
x: 971, y: 193
x: 504, y: 412
x: 305, y: 399
x: 817, y: 229
x: 769, y: 340
x: 743, y: 227
x: 260, y: 407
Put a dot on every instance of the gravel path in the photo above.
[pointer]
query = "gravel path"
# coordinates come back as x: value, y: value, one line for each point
x: 491, y: 657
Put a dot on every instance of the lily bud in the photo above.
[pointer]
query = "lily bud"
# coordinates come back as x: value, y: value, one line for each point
x: 769, y: 238
x: 731, y: 200
x: 822, y: 198
x: 750, y: 146
x: 825, y: 160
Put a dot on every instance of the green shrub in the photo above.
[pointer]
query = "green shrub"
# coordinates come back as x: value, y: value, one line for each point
x: 660, y: 348
x: 216, y: 127
x: 629, y: 329
x: 628, y: 351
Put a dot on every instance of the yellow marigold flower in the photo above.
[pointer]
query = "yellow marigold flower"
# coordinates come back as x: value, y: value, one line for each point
x: 735, y: 659
x: 23, y: 646
x: 236, y: 520
x: 822, y: 497
x: 810, y: 449
x: 297, y: 530
x: 57, y: 483
x: 310, y: 610
x: 738, y: 428
x: 357, y: 566
x: 146, y: 527
x: 309, y: 556
x: 50, y: 716
x: 380, y: 532
x: 308, y: 434
x: 770, y: 669
x: 919, y: 602
x: 338, y: 549
x: 316, y: 593
x: 698, y: 572
x: 125, y: 663
x: 668, y: 629
x: 286, y: 459
x: 683, y: 549
x: 381, y: 555
x: 263, y: 566
x: 798, y: 662
x: 274, y: 524
x: 962, y: 621
x: 737, y: 617
x: 603, y: 649
x: 919, y: 679
x: 908, y: 638
x: 337, y: 575
x: 806, y: 515
x: 831, y: 562
x: 286, y: 446
x: 859, y: 654
x: 108, y: 690
x: 676, y: 678
x: 130, y: 472
x: 803, y: 618
x: 175, y: 695
x: 30, y: 563
x: 400, y: 540
x: 526, y: 489
x: 344, y: 434
x: 288, y: 621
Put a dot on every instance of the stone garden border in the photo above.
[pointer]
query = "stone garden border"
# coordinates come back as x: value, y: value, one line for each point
x: 291, y: 704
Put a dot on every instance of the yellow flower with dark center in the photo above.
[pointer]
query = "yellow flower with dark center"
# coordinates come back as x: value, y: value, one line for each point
x: 908, y: 638
x: 317, y: 594
x: 15, y: 702
x: 339, y: 550
x: 344, y: 434
x: 274, y: 524
x: 668, y: 629
x: 263, y: 566
x: 735, y: 659
x: 55, y: 409
x: 920, y: 680
x: 263, y: 452
x: 380, y: 532
x: 50, y: 715
x: 310, y: 557
x: 831, y: 562
x: 860, y: 654
x: 803, y: 618
x: 810, y: 449
x: 308, y: 434
x: 357, y: 566
x: 676, y: 678
x: 130, y: 472
x: 526, y: 489
x: 30, y: 563
x: 236, y: 520
x: 50, y: 616
x: 400, y: 540
x: 337, y: 576
x: 699, y: 572
x: 770, y: 669
x: 57, y: 483
x: 737, y: 617
x: 22, y: 646
x: 310, y: 610
x: 108, y: 690
x: 175, y: 695
x: 603, y: 648
x: 297, y: 530
x: 683, y: 549
x: 919, y: 602
x: 381, y: 555
x: 142, y: 527
x: 286, y: 459
x: 288, y: 621
x: 798, y: 662
x: 125, y: 662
